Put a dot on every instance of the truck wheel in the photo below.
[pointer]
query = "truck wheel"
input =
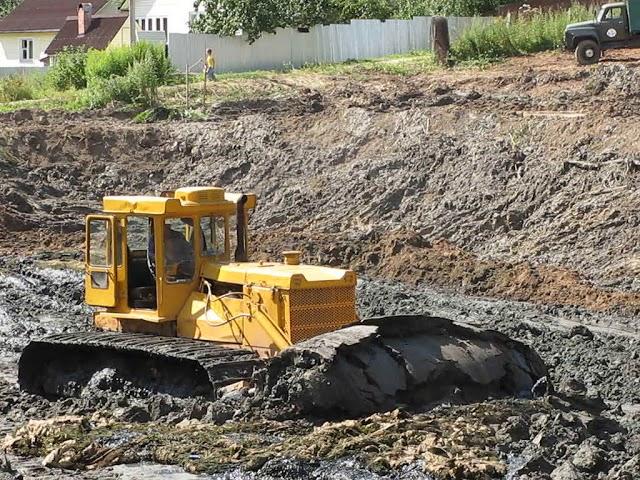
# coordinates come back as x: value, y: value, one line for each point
x: 587, y: 52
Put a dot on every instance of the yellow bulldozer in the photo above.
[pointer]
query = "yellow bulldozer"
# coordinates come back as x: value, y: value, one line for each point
x: 181, y: 310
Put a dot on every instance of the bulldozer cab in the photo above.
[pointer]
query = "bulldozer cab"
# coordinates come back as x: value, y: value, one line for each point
x: 144, y: 254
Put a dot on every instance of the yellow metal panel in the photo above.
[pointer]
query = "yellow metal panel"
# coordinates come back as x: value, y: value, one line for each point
x: 136, y: 204
x: 279, y: 275
x: 205, y: 318
x: 143, y: 205
x: 146, y: 315
x: 199, y: 195
x: 237, y: 320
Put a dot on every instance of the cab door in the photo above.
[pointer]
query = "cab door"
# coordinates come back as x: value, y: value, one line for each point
x: 614, y: 24
x: 100, y: 265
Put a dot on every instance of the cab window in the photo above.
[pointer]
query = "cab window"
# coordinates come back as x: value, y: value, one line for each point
x: 213, y: 236
x: 179, y: 259
x: 614, y: 13
x: 100, y: 243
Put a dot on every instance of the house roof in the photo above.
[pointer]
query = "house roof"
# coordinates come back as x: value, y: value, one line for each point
x: 42, y: 15
x: 99, y: 35
x: 111, y: 7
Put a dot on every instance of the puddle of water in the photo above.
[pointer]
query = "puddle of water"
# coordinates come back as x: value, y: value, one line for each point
x: 144, y: 471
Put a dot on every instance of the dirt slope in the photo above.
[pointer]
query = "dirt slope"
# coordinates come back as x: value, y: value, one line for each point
x: 520, y: 181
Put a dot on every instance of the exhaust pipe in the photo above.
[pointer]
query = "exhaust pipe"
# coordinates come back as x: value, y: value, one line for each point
x: 241, y: 230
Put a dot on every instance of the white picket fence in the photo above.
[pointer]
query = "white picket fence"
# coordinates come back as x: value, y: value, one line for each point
x: 288, y: 47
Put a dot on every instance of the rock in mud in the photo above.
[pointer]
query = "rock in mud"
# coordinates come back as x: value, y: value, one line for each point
x: 387, y: 361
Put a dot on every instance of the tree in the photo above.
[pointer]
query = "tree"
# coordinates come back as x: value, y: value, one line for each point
x: 376, y: 9
x: 255, y: 17
x: 7, y: 6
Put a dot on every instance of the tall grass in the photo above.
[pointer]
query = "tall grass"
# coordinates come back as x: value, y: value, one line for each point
x: 139, y: 86
x: 116, y: 62
x: 68, y: 71
x: 17, y: 87
x: 503, y: 38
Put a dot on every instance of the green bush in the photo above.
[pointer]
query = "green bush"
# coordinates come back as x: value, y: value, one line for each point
x: 16, y: 87
x: 68, y: 71
x: 500, y: 39
x: 138, y: 86
x: 115, y: 62
x: 7, y: 6
x: 461, y: 8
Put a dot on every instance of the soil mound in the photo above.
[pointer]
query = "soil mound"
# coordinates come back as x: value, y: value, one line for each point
x: 388, y: 361
x: 537, y: 203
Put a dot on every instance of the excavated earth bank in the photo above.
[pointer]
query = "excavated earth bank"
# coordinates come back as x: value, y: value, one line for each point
x: 518, y: 183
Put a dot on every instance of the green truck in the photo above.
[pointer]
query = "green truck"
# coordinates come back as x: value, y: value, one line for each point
x: 617, y: 25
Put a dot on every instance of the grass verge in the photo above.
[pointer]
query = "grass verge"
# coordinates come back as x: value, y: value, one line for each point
x: 534, y: 33
x: 35, y: 92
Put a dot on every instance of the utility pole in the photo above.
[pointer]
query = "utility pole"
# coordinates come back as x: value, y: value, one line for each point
x: 132, y: 21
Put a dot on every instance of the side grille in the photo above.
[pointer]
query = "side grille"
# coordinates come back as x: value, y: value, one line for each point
x: 320, y: 310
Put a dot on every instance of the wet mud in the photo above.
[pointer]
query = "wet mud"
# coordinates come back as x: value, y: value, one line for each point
x: 527, y: 224
x: 588, y: 426
x: 413, y: 359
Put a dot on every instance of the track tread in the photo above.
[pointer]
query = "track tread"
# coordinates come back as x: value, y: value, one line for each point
x: 223, y: 365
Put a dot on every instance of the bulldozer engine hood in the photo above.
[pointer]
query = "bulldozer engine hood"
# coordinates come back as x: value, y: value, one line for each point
x: 279, y: 275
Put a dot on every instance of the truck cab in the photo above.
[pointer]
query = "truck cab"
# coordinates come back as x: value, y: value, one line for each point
x: 617, y: 25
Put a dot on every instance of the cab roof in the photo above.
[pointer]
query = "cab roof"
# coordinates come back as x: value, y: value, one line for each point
x: 184, y: 201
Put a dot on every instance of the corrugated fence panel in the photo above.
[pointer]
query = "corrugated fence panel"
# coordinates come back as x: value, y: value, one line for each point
x: 358, y: 40
x: 5, y: 71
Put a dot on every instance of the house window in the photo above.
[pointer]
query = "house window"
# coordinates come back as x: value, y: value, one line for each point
x: 157, y: 24
x: 26, y: 50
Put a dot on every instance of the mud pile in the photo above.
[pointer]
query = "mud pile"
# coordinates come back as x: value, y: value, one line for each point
x: 512, y: 182
x: 416, y: 360
x: 601, y: 350
x: 35, y: 301
x: 537, y: 204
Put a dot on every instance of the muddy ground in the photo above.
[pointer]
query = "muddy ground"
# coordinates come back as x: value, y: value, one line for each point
x: 505, y: 197
x: 589, y: 425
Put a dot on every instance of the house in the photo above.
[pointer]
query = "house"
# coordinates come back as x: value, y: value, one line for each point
x: 91, y: 31
x: 27, y: 33
x: 37, y: 30
x: 168, y: 16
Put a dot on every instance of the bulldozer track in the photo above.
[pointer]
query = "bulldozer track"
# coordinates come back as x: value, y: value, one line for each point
x: 159, y: 362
